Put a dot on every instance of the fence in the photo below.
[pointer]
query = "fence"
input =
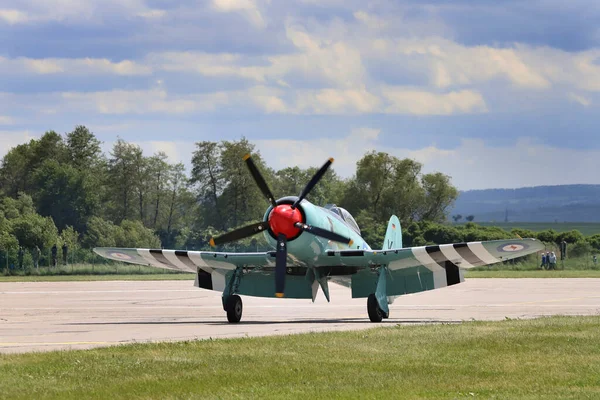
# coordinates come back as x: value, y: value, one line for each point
x: 79, y: 261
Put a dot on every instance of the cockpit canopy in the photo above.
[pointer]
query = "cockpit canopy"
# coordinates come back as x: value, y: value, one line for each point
x: 344, y: 215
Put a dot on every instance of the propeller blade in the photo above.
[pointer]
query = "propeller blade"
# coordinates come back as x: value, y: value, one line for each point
x: 260, y: 181
x: 324, y: 233
x: 311, y: 184
x: 280, y: 265
x: 240, y: 233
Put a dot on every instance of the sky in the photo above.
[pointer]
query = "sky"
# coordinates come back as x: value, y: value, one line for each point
x: 495, y: 94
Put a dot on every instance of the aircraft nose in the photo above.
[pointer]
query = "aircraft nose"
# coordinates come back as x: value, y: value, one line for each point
x: 282, y: 220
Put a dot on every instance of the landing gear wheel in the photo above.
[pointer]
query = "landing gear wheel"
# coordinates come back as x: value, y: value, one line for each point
x: 234, y: 308
x: 376, y: 314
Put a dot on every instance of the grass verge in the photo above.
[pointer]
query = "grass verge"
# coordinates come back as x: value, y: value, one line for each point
x: 590, y: 273
x: 80, y: 278
x: 556, y: 357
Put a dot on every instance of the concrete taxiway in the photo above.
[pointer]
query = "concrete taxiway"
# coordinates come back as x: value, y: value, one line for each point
x: 41, y: 316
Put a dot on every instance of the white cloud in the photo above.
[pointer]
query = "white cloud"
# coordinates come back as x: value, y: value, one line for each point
x: 334, y: 101
x: 372, y: 21
x: 584, y: 101
x: 74, y: 66
x: 248, y: 8
x: 5, y: 120
x: 144, y: 101
x: 472, y: 164
x: 152, y: 13
x: 10, y: 139
x: 211, y: 65
x: 13, y: 16
x: 407, y: 101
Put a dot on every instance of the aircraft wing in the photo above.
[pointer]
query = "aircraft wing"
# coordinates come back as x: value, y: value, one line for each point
x: 416, y: 269
x: 187, y: 261
x: 215, y: 269
x: 461, y: 255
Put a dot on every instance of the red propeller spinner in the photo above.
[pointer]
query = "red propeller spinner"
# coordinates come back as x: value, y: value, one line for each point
x: 283, y: 219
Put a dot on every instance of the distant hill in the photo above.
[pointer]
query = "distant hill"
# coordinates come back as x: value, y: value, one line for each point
x: 564, y: 203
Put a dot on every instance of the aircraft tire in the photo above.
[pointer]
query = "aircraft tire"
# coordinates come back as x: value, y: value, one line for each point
x: 376, y: 314
x: 234, y: 309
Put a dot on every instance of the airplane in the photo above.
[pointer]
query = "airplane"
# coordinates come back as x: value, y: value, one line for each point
x: 314, y: 245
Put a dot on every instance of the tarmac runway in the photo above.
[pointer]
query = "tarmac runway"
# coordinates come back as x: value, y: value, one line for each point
x: 42, y: 316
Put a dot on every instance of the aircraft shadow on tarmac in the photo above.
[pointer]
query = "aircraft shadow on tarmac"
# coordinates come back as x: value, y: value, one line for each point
x: 284, y: 322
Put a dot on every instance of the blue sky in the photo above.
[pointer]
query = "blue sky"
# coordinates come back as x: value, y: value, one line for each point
x: 492, y: 93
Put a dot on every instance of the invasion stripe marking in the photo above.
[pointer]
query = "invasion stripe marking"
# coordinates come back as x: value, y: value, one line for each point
x: 158, y: 255
x: 437, y: 256
x: 465, y: 252
x: 452, y: 255
x: 423, y: 256
x: 452, y: 271
x: 176, y: 261
x: 184, y: 257
x: 481, y: 252
x: 145, y: 253
x: 196, y: 258
x: 439, y: 273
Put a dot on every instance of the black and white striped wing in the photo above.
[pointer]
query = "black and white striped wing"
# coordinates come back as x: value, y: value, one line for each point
x: 455, y: 255
x: 187, y: 261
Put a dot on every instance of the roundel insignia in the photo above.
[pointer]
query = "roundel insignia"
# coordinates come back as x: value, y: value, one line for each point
x: 512, y: 247
x: 120, y: 256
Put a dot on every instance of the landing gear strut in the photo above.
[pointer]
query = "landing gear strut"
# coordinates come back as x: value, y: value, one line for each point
x: 234, y: 308
x: 376, y: 314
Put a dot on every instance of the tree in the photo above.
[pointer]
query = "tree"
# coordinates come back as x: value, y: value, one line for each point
x: 386, y: 185
x: 83, y: 149
x: 470, y: 218
x: 241, y: 201
x: 158, y: 169
x: 66, y: 194
x: 207, y: 178
x: 457, y: 217
x: 124, y: 172
x: 439, y: 196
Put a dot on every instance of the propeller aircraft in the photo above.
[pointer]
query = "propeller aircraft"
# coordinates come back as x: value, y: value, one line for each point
x: 314, y: 245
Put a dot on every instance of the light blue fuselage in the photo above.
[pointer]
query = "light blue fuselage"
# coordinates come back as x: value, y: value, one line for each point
x: 307, y: 247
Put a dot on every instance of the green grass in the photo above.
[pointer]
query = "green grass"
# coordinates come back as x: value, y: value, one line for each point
x: 590, y: 273
x: 89, y: 272
x: 586, y: 228
x: 551, y: 358
x: 114, y: 277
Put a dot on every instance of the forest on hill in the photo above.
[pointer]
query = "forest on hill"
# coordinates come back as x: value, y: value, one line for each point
x: 562, y: 203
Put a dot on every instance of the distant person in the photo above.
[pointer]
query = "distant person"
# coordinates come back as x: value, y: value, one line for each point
x: 54, y: 255
x: 36, y: 256
x: 543, y: 261
x: 548, y: 256
x: 595, y: 259
x: 552, y: 261
x: 64, y: 253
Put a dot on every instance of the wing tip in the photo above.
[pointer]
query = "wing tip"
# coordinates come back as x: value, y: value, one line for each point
x: 212, y: 242
x: 246, y: 156
x: 279, y: 295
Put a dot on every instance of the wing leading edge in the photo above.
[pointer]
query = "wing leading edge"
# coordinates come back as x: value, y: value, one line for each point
x: 187, y: 261
x: 461, y: 255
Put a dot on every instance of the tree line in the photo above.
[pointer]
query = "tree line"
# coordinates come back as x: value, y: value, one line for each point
x: 62, y: 189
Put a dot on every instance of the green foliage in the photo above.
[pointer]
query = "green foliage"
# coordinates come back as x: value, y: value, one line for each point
x: 594, y: 241
x: 580, y: 249
x: 34, y: 230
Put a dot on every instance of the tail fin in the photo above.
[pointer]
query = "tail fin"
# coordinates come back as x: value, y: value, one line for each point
x: 393, y: 235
